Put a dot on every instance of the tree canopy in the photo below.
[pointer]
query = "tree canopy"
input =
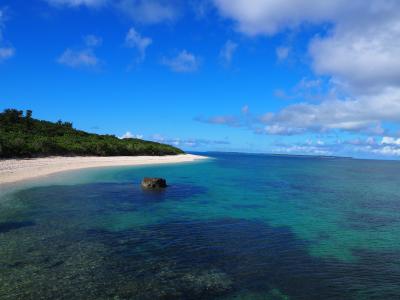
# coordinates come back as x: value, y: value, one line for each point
x: 23, y: 136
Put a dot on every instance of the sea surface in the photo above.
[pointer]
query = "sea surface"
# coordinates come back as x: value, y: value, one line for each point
x: 236, y: 226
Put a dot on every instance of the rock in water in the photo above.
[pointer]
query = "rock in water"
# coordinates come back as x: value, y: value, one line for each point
x: 154, y: 183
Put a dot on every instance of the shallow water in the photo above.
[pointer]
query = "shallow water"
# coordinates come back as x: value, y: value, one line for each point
x: 234, y: 227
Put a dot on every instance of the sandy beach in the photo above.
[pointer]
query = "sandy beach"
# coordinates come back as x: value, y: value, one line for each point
x: 14, y: 170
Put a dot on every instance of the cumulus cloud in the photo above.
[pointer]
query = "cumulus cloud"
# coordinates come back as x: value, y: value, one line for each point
x: 78, y: 58
x: 133, y: 39
x: 388, y: 146
x: 363, y: 58
x: 184, y: 62
x: 149, y: 11
x: 268, y: 17
x: 364, y: 114
x: 387, y: 151
x: 388, y: 140
x: 82, y: 57
x: 359, y: 52
x: 130, y: 135
x: 227, y: 52
x: 359, y: 56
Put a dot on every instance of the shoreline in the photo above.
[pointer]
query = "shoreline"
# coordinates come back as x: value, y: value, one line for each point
x: 15, y: 170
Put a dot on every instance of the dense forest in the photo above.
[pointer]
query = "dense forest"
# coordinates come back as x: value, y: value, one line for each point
x: 23, y: 136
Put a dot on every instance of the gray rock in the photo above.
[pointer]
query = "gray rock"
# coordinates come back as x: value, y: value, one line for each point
x: 154, y: 183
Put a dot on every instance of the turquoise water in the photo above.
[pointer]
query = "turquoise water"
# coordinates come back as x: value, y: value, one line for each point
x: 236, y: 226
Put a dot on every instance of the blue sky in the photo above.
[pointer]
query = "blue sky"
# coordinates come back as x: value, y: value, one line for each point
x: 296, y: 77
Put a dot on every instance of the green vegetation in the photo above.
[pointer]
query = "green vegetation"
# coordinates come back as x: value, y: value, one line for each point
x: 23, y: 136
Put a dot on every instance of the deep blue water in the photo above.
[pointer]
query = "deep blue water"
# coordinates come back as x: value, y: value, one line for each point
x: 237, y: 226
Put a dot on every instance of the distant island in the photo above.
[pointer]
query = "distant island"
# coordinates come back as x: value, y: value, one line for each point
x: 22, y: 136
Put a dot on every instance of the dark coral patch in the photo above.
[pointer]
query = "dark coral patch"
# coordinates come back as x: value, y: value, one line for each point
x: 9, y: 226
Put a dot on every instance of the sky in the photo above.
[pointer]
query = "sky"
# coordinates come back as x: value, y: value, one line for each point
x: 264, y: 76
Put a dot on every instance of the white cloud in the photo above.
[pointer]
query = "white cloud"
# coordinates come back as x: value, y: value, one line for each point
x: 271, y: 16
x: 359, y: 55
x: 388, y: 146
x: 130, y: 135
x: 77, y: 3
x: 388, y: 140
x: 149, y: 11
x: 387, y: 151
x: 78, y: 58
x: 227, y: 52
x: 184, y: 62
x: 83, y: 57
x: 359, y: 52
x: 282, y: 53
x: 133, y: 39
x: 361, y: 58
x: 364, y: 114
x: 6, y: 52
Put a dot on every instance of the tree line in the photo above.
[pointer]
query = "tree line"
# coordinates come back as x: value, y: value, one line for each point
x: 23, y: 136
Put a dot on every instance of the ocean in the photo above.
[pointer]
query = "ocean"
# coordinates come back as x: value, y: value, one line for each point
x: 235, y: 226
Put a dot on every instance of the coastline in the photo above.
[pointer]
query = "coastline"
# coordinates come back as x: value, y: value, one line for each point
x: 15, y: 170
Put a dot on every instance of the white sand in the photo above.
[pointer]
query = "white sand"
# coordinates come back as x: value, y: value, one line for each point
x: 13, y: 170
